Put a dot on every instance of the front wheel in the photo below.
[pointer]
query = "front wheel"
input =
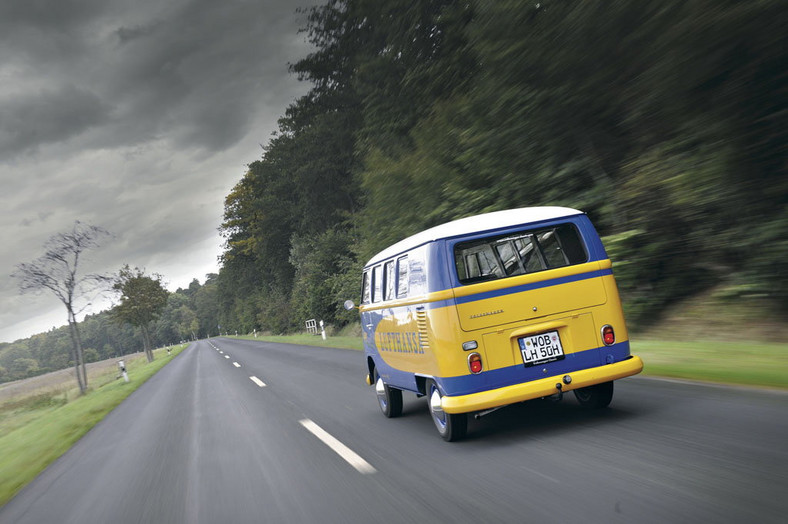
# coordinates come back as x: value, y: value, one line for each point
x: 596, y: 396
x: 389, y: 399
x: 450, y: 426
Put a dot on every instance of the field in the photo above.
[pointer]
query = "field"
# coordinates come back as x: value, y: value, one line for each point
x: 61, y: 382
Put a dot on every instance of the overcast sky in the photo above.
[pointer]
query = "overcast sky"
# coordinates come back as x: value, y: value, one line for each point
x: 136, y: 116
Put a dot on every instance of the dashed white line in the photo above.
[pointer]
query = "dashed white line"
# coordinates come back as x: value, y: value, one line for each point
x: 257, y: 381
x: 350, y: 456
x: 236, y: 364
x: 227, y: 356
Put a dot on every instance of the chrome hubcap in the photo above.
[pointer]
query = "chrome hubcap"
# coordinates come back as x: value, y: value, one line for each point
x: 380, y: 389
x: 435, y: 405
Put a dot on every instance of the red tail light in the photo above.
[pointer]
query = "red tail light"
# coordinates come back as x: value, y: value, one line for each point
x: 475, y: 363
x: 608, y: 335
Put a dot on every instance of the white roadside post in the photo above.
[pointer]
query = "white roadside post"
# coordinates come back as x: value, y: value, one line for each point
x: 322, y: 330
x: 122, y: 368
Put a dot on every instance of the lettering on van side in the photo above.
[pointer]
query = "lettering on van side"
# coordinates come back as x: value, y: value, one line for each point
x: 487, y: 313
x: 396, y: 342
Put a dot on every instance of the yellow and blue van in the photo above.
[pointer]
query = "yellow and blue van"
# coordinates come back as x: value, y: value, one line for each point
x: 494, y: 309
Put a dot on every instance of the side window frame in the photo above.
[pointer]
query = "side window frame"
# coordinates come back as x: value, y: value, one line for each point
x: 389, y: 280
x: 377, y: 284
x: 366, y: 290
x: 402, y: 276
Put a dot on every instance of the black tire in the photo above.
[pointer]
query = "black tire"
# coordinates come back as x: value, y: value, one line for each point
x: 595, y: 397
x: 450, y: 426
x: 389, y: 399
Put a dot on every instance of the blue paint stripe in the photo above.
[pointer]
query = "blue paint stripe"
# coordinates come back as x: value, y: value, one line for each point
x: 518, y: 374
x: 534, y: 285
x: 519, y: 289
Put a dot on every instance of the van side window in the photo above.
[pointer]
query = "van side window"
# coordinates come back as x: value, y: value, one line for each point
x: 365, y: 288
x: 388, y: 270
x: 402, y: 277
x: 519, y: 253
x: 377, y: 283
x: 417, y: 272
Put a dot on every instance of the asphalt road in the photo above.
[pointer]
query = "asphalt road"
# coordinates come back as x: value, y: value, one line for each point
x: 202, y: 442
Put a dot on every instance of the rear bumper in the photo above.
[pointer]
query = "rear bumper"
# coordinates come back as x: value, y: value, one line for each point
x: 540, y: 388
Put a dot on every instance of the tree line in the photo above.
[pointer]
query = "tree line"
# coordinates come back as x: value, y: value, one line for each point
x: 666, y: 122
x: 185, y: 315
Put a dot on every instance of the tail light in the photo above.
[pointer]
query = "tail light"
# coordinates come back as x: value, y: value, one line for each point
x: 475, y: 363
x: 608, y: 335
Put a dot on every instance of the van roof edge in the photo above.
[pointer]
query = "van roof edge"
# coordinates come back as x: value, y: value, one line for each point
x: 475, y: 224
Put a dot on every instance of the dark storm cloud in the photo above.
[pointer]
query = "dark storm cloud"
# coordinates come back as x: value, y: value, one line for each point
x: 53, y: 15
x: 135, y: 116
x: 32, y: 119
x: 193, y: 71
x: 201, y: 70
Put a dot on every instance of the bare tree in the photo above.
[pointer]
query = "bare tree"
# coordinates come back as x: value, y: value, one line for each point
x: 57, y: 271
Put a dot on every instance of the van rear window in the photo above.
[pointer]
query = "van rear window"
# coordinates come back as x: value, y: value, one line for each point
x: 518, y: 253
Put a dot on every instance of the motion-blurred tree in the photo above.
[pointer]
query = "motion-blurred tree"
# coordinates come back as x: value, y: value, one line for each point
x: 57, y: 270
x: 664, y: 121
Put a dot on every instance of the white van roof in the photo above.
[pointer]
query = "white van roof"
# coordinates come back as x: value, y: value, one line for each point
x: 476, y: 224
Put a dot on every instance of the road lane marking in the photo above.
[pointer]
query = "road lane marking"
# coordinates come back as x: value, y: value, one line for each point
x: 257, y: 381
x: 236, y: 364
x: 350, y: 456
x: 227, y: 356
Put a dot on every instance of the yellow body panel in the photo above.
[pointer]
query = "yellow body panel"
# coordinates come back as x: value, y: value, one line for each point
x: 533, y: 304
x: 435, y: 347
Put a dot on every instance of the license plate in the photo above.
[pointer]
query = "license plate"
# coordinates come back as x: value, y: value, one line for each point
x: 542, y: 348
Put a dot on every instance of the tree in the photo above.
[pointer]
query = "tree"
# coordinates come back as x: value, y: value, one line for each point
x: 57, y: 270
x: 142, y: 300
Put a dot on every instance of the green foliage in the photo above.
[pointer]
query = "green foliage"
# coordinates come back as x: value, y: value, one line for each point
x: 319, y: 289
x: 204, y: 303
x: 142, y: 300
x: 665, y: 122
x: 24, y: 367
x: 142, y: 297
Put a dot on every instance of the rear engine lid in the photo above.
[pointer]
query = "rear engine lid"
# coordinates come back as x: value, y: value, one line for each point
x: 528, y: 297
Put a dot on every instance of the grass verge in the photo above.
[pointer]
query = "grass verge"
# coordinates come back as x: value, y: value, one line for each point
x: 343, y: 342
x: 763, y: 364
x: 36, y: 430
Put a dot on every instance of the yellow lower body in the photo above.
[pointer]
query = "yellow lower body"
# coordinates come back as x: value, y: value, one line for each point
x: 540, y: 388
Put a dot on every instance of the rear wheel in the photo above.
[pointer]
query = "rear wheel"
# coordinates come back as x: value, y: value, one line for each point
x: 450, y: 426
x: 596, y: 396
x: 389, y: 399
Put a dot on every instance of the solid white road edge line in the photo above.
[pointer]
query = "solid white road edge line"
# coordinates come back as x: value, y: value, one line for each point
x: 350, y: 456
x: 257, y: 381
